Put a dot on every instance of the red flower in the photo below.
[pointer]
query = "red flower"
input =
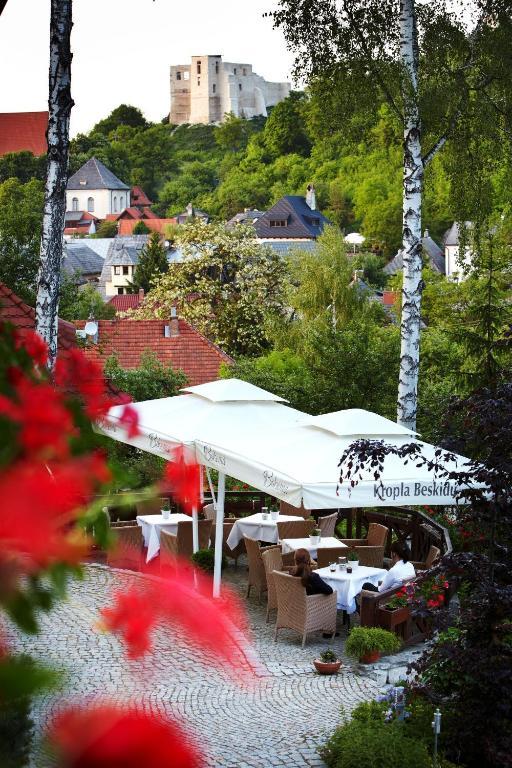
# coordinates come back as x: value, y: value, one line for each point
x: 31, y: 342
x: 185, y: 599
x: 110, y: 737
x: 182, y: 476
x: 78, y: 373
x: 39, y: 504
x: 130, y: 419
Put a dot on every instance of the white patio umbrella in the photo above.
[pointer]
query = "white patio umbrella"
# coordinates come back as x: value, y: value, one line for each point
x: 300, y: 464
x: 354, y: 238
x: 227, y: 410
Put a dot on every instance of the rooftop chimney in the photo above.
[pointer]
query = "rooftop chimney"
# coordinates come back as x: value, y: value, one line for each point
x: 175, y: 323
x: 311, y: 197
x: 425, y: 234
x: 141, y: 294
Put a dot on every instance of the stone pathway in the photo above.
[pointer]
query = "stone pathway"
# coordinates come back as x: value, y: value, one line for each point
x: 279, y: 721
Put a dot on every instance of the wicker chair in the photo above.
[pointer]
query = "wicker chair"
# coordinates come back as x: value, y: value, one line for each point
x: 127, y: 551
x: 181, y: 545
x: 288, y: 509
x: 377, y: 537
x: 327, y: 524
x: 235, y: 553
x: 272, y: 561
x: 434, y: 554
x: 151, y: 506
x: 373, y: 557
x: 209, y: 511
x: 257, y: 576
x: 301, y: 612
x: 327, y: 555
x: 295, y: 529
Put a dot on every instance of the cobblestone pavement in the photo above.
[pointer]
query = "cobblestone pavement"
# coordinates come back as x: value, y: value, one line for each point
x: 280, y: 720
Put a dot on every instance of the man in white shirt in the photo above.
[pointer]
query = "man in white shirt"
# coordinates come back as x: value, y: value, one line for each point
x: 401, y: 570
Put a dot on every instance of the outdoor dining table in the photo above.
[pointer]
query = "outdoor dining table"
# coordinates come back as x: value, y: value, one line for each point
x: 153, y: 525
x: 349, y: 585
x: 255, y: 527
x: 292, y: 545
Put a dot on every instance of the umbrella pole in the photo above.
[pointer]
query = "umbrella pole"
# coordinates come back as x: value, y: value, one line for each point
x: 195, y: 530
x: 219, y: 531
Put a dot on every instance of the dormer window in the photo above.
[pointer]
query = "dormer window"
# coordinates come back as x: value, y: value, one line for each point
x: 74, y: 204
x: 278, y: 223
x: 312, y: 220
x: 83, y: 182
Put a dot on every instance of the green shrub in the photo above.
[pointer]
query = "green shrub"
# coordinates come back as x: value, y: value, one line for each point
x: 371, y: 744
x: 205, y: 559
x: 362, y: 640
x: 328, y: 656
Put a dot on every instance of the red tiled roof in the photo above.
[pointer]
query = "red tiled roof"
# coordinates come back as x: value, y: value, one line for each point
x: 139, y: 197
x: 389, y: 298
x: 126, y: 301
x: 155, y: 225
x: 15, y: 311
x: 189, y: 351
x: 23, y: 131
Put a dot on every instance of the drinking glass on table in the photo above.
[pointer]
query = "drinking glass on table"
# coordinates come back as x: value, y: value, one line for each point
x: 332, y: 567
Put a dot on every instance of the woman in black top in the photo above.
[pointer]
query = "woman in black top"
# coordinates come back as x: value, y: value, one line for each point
x: 313, y: 583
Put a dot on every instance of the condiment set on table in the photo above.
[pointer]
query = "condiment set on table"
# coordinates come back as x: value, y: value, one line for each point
x: 342, y: 566
x: 273, y: 514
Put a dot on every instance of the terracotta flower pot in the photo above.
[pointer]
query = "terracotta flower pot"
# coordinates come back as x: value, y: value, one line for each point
x: 370, y: 658
x: 326, y: 667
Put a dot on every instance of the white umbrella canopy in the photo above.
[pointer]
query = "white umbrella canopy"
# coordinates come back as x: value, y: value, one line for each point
x: 354, y: 238
x: 300, y: 464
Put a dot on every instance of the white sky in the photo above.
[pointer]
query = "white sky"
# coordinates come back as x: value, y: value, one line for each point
x: 122, y: 50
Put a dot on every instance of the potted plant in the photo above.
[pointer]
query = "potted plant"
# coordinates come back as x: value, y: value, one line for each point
x: 314, y: 536
x: 328, y: 663
x: 353, y: 558
x: 397, y: 609
x: 166, y: 509
x: 367, y: 643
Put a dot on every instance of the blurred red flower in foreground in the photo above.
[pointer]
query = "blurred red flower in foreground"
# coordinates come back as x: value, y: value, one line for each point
x: 183, y: 599
x: 182, y: 478
x: 109, y: 737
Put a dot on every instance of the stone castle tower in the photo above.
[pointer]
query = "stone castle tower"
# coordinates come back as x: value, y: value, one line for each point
x: 208, y: 88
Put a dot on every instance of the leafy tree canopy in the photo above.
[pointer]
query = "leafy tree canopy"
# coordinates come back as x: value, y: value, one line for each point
x: 152, y: 263
x: 122, y: 115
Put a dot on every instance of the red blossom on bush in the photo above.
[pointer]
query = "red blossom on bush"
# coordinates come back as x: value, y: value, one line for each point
x: 31, y: 342
x: 108, y: 737
x: 182, y: 477
x: 184, y: 599
x: 130, y: 419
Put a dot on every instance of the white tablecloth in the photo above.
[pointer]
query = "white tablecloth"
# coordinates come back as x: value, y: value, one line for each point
x: 348, y: 585
x: 256, y: 528
x: 152, y: 525
x: 292, y: 545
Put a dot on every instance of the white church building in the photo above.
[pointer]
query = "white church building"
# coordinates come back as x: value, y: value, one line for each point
x: 208, y: 88
x: 95, y: 189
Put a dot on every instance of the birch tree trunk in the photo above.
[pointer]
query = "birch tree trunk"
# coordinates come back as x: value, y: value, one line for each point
x: 59, y: 105
x: 411, y: 222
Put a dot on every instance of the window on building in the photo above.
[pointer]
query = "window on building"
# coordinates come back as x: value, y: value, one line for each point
x: 199, y: 81
x: 186, y: 75
x: 90, y: 204
x: 244, y: 71
x: 121, y: 203
x: 198, y: 67
x: 117, y: 270
x: 216, y: 67
x: 239, y: 86
x: 115, y: 204
x: 278, y: 222
x: 214, y: 87
x: 125, y: 270
x: 74, y: 204
x: 234, y: 71
x: 178, y: 75
x: 120, y: 291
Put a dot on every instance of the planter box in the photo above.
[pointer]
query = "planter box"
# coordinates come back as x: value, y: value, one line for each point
x: 390, y: 619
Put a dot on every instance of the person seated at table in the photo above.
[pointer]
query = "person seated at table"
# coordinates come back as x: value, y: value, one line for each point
x: 313, y: 583
x: 401, y: 569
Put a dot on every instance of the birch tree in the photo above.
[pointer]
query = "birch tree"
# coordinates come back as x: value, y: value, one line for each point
x: 427, y: 63
x: 59, y: 107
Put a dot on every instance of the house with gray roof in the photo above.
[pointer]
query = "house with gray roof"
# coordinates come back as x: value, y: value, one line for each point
x: 81, y: 263
x: 456, y: 268
x: 95, y: 189
x: 292, y: 222
x: 247, y: 216
x: 119, y: 265
x: 432, y: 252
